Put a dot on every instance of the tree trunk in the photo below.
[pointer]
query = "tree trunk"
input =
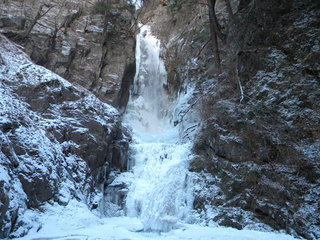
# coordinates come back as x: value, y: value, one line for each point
x: 214, y: 21
x: 215, y: 47
x: 215, y: 31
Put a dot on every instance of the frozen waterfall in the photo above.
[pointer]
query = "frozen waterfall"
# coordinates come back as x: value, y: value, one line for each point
x: 156, y: 194
x: 149, y: 110
x: 160, y: 192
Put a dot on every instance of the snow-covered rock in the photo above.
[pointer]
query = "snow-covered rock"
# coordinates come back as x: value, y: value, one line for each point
x: 259, y: 116
x: 57, y: 140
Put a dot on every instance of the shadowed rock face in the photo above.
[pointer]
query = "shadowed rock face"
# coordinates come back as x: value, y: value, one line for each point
x: 58, y: 141
x: 258, y: 159
x: 82, y: 44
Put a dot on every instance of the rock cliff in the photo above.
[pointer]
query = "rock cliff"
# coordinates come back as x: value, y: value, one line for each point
x: 86, y: 42
x: 57, y: 141
x: 257, y: 138
x: 253, y: 111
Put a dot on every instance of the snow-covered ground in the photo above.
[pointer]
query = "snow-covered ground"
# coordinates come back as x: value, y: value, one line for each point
x: 75, y: 221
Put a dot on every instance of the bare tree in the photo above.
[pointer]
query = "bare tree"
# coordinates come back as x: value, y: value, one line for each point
x: 216, y: 29
x: 34, y: 21
x: 214, y: 23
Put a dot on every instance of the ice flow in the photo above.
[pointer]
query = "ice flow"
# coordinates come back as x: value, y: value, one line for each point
x: 160, y: 193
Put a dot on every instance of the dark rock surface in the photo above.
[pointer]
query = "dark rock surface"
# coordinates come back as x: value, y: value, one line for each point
x: 258, y: 151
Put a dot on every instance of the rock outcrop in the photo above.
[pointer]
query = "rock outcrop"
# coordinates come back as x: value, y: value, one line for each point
x: 86, y: 42
x: 258, y: 136
x: 57, y: 141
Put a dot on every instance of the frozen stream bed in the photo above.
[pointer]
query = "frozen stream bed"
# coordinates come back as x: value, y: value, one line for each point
x: 76, y: 222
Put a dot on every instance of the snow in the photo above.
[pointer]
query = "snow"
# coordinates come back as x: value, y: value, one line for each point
x: 160, y: 191
x: 4, y: 175
x: 75, y: 221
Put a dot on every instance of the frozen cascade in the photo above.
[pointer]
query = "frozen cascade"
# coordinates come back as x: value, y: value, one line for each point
x: 160, y: 193
x: 149, y: 109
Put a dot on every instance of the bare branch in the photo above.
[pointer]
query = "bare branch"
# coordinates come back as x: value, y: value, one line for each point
x: 192, y: 105
x: 239, y: 82
x: 204, y: 47
x: 229, y: 9
x: 46, y: 11
x: 35, y: 20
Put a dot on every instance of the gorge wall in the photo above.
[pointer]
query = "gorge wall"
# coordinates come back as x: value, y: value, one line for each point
x: 85, y: 42
x: 254, y: 119
x: 258, y: 135
x: 59, y: 140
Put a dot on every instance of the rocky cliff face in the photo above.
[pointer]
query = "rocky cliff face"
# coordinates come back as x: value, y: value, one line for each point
x: 57, y: 141
x: 86, y: 43
x: 255, y: 119
x: 258, y: 135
